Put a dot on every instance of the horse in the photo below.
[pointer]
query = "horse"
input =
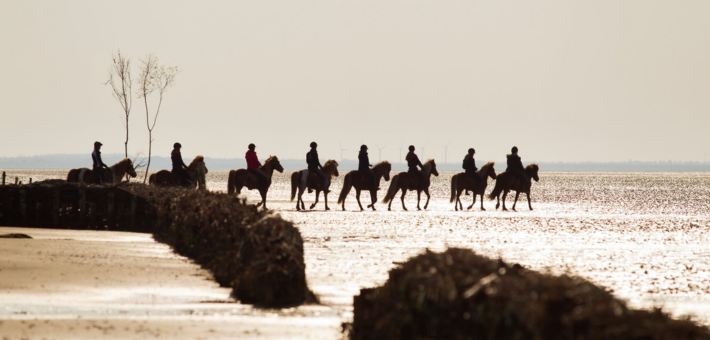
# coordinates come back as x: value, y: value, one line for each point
x: 359, y: 181
x: 197, y: 170
x: 506, y: 182
x: 462, y: 181
x: 113, y: 174
x: 243, y: 178
x: 405, y: 181
x: 300, y: 180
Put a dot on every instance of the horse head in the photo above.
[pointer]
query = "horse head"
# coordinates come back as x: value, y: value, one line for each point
x: 531, y: 171
x: 131, y: 170
x: 331, y: 167
x: 383, y: 169
x: 274, y: 163
x: 488, y: 170
x: 197, y: 166
x: 430, y: 167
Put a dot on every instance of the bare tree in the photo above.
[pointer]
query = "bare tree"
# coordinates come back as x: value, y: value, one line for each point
x: 153, y: 78
x: 119, y: 77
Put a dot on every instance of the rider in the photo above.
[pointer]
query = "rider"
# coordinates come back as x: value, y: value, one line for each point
x: 98, y: 166
x: 179, y: 167
x: 413, y: 162
x: 469, y: 164
x: 253, y: 165
x: 364, y: 167
x: 315, y: 166
x: 515, y: 167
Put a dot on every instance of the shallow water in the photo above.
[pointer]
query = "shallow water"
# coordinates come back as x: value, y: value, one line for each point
x: 642, y: 235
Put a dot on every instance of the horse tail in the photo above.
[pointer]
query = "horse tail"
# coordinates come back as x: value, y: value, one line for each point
x: 347, y: 184
x: 454, y: 181
x: 497, y: 189
x: 294, y: 184
x: 69, y: 175
x: 230, y: 182
x: 392, y: 189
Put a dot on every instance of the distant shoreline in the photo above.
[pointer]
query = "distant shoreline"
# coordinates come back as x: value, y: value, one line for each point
x: 70, y: 161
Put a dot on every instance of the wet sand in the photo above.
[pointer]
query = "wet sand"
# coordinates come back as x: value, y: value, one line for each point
x: 115, y: 285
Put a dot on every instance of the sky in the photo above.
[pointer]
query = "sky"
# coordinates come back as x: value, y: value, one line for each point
x: 564, y: 81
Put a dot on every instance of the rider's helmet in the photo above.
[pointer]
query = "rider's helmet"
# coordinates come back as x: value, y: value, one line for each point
x: 411, y: 148
x: 313, y: 144
x: 514, y: 149
x: 177, y: 145
x: 252, y: 146
x: 97, y: 143
x: 363, y: 147
x: 471, y: 151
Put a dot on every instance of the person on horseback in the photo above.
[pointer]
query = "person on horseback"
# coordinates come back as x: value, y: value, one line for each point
x: 412, y: 162
x: 315, y: 166
x: 469, y: 165
x: 179, y: 167
x: 253, y: 165
x: 98, y: 166
x: 364, y: 166
x: 515, y: 167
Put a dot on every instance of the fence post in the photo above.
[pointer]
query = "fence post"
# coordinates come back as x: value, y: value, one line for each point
x: 82, y: 207
x: 3, y: 177
x: 23, y: 208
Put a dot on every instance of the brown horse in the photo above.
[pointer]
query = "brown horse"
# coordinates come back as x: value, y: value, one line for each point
x: 197, y: 170
x: 506, y: 182
x: 359, y: 181
x: 243, y: 178
x: 300, y: 180
x: 405, y: 181
x: 462, y: 181
x: 113, y: 174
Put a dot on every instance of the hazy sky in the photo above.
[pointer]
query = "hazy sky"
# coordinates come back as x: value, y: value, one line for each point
x: 562, y: 80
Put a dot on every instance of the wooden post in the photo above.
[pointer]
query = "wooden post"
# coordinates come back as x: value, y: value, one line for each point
x: 134, y: 204
x: 55, y: 211
x: 30, y: 180
x: 82, y: 207
x: 110, y: 219
x: 23, y: 208
x: 16, y: 179
x: 3, y: 177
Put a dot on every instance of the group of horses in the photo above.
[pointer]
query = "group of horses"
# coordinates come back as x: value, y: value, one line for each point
x: 304, y: 180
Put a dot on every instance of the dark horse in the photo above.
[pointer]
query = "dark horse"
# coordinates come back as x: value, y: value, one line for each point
x: 462, y: 181
x: 359, y: 181
x: 113, y: 174
x: 506, y: 182
x: 300, y: 180
x: 243, y: 178
x: 197, y: 170
x: 405, y: 181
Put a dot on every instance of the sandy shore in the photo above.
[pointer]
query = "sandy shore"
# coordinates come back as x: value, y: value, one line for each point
x: 65, y: 284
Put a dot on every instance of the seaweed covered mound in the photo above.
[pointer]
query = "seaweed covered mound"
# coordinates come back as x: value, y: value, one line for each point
x: 460, y: 295
x: 256, y: 253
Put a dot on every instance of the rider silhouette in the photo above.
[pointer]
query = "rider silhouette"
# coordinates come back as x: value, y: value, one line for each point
x: 469, y: 164
x: 364, y: 166
x: 315, y: 166
x: 253, y: 165
x: 179, y: 167
x: 98, y: 166
x: 412, y: 162
x: 515, y: 167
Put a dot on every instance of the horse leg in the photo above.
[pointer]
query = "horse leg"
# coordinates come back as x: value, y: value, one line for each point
x: 474, y: 200
x: 529, y: 204
x: 373, y: 199
x: 317, y: 196
x: 505, y: 193
x: 299, y: 199
x: 404, y: 192
x: 517, y: 194
x: 263, y: 199
x: 419, y: 197
x: 325, y: 198
x: 426, y: 191
x: 357, y: 197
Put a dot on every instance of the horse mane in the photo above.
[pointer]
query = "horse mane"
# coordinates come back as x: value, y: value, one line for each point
x: 488, y: 165
x: 198, y: 159
x: 123, y: 161
x: 533, y: 166
x: 270, y: 158
x: 383, y: 163
x: 331, y: 162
